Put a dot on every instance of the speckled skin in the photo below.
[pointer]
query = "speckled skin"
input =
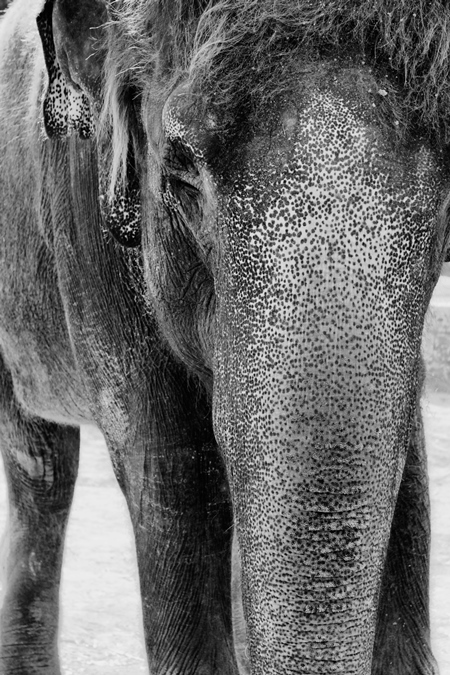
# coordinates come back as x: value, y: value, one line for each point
x: 256, y: 362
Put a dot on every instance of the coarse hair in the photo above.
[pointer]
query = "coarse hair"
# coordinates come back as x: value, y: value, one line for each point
x: 231, y: 51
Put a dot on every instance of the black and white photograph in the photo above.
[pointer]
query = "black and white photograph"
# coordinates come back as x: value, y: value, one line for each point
x: 225, y: 337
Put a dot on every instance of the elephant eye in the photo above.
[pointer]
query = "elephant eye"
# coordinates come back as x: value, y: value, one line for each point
x: 181, y: 179
x: 179, y: 158
x: 181, y: 199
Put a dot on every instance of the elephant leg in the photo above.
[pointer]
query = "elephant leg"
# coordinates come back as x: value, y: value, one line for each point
x: 182, y: 523
x: 402, y: 644
x: 41, y: 461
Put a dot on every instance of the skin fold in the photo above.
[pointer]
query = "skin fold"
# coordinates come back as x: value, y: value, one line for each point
x: 234, y: 293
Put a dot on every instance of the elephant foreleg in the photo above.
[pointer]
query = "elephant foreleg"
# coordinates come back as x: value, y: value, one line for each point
x: 182, y: 523
x: 402, y: 645
x: 41, y: 461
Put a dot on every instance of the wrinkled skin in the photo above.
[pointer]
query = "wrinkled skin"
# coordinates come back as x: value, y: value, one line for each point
x: 276, y: 389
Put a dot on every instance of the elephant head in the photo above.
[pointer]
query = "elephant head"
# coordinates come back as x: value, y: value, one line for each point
x: 291, y: 242
x: 318, y: 243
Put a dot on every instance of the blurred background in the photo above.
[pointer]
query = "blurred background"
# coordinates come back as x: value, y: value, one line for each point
x: 101, y: 628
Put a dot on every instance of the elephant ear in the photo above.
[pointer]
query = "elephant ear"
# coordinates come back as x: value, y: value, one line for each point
x: 70, y: 33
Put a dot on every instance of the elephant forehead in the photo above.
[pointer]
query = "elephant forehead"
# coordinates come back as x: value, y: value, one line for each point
x: 339, y: 177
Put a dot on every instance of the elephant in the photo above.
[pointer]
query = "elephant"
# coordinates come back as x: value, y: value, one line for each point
x: 221, y: 225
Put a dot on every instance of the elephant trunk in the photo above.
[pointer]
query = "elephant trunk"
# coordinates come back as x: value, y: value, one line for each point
x: 314, y: 424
